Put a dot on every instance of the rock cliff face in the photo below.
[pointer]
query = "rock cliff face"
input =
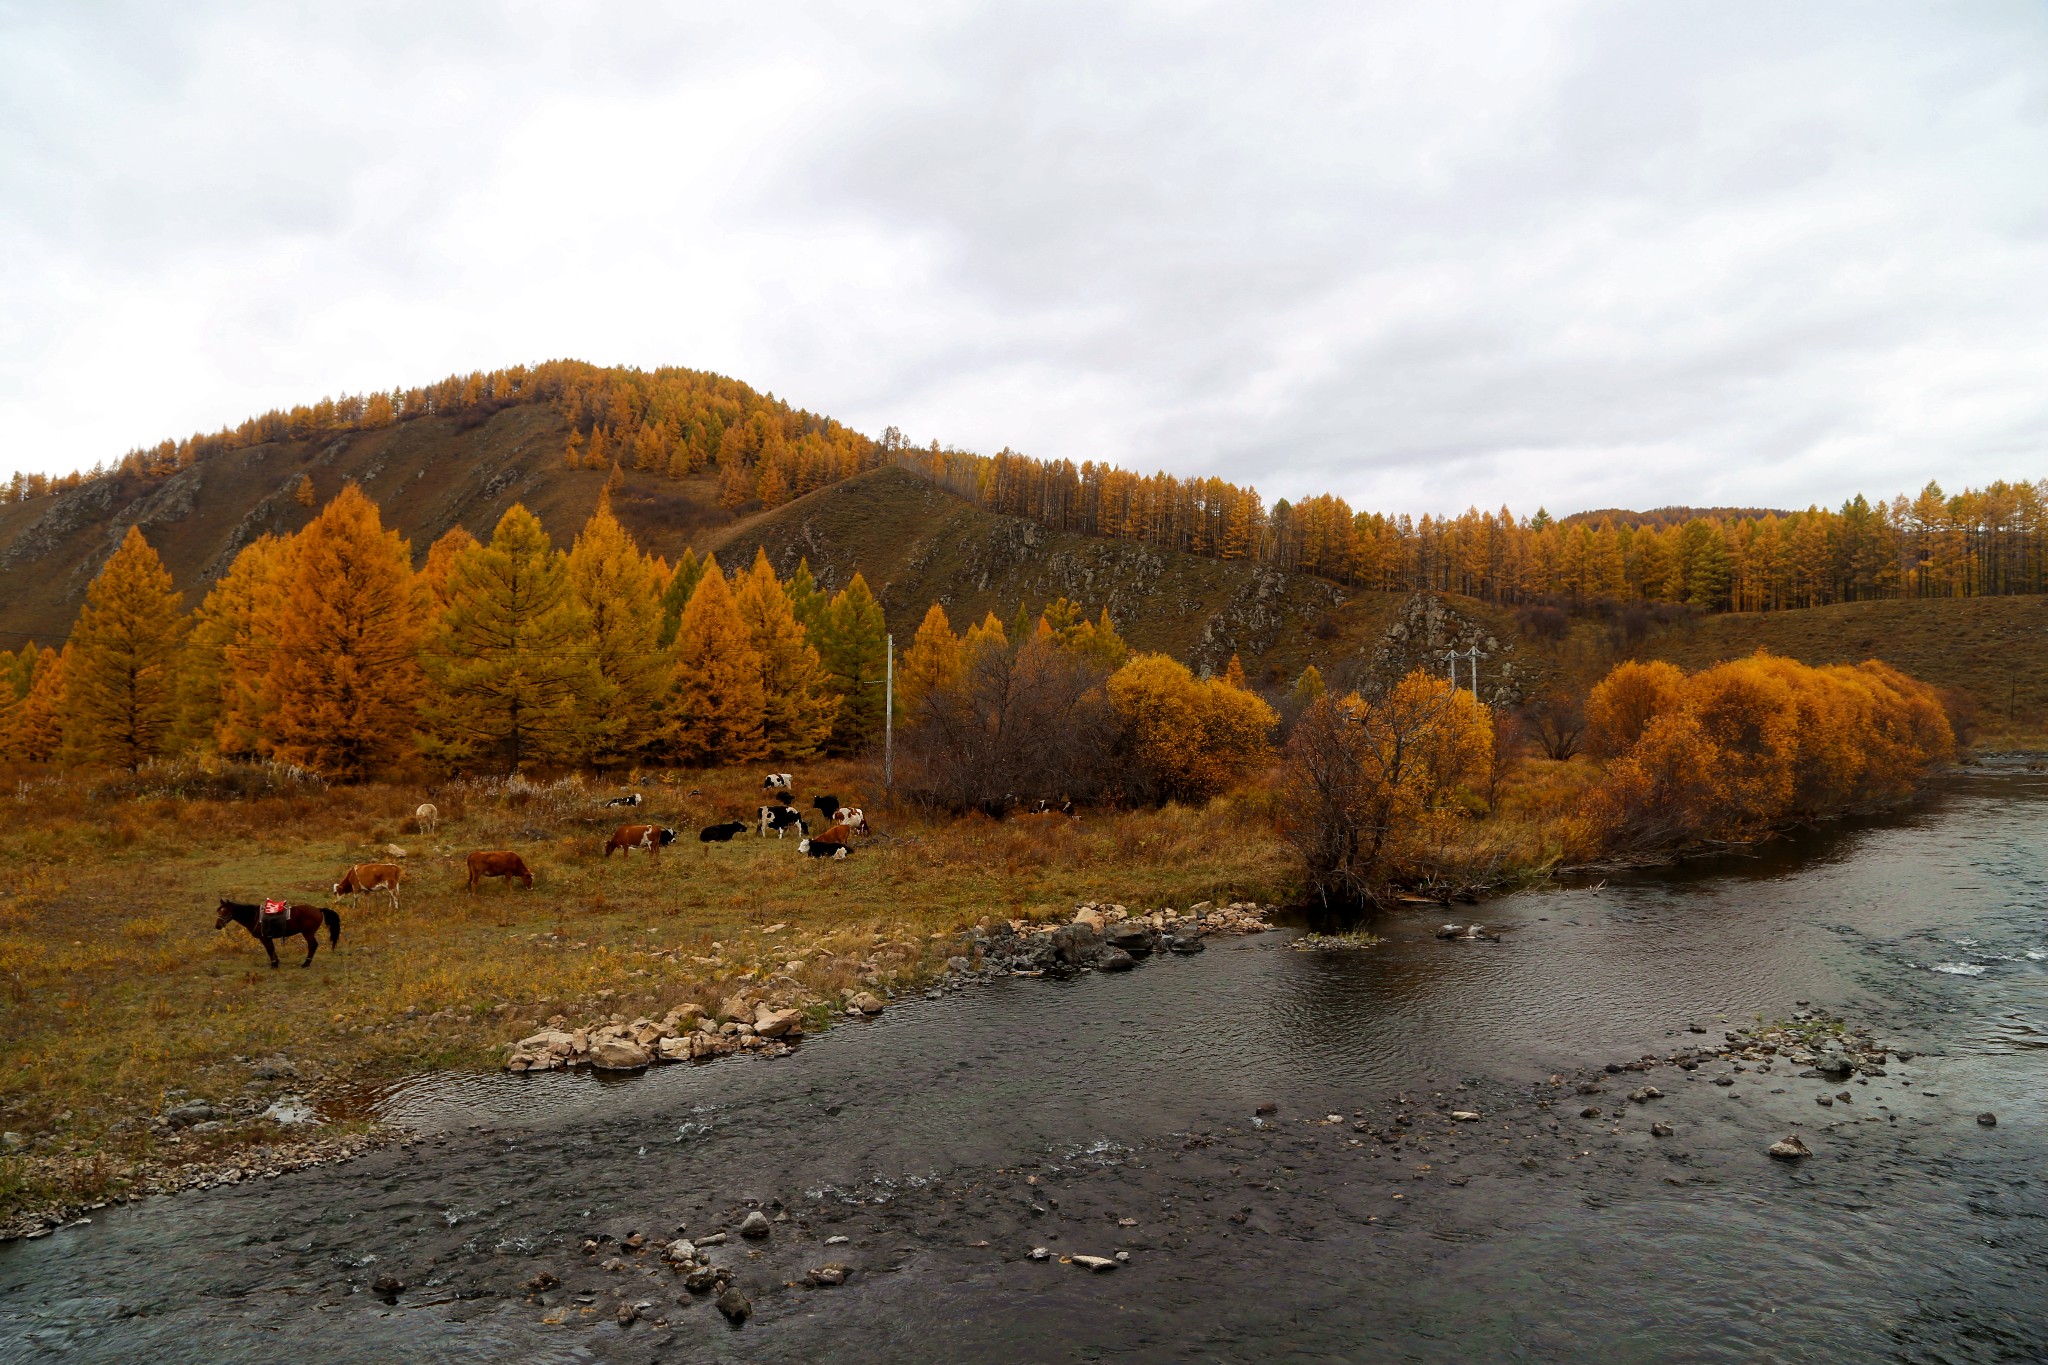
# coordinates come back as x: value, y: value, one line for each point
x: 1428, y: 630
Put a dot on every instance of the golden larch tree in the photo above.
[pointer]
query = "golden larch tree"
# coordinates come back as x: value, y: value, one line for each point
x: 511, y: 662
x: 227, y: 658
x: 716, y: 707
x: 932, y: 665
x: 344, y: 678
x: 440, y: 558
x: 620, y: 593
x: 34, y: 725
x: 121, y: 694
x: 799, y: 705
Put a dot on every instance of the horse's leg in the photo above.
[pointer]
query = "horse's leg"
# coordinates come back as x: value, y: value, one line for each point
x: 270, y: 946
x: 312, y: 946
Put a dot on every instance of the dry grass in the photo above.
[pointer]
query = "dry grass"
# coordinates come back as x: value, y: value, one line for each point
x: 120, y: 991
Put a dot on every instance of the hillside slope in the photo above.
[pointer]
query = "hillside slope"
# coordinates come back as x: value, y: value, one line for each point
x: 426, y: 475
x: 916, y: 544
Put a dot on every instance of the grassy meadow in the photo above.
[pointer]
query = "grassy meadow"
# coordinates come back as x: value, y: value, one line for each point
x: 122, y: 999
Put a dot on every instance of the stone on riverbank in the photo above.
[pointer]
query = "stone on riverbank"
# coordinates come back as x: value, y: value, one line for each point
x: 736, y: 1306
x: 619, y: 1054
x: 866, y: 1002
x: 755, y: 1225
x: 774, y: 1023
x: 1098, y: 1264
x: 1988, y: 1120
x: 835, y: 1273
x: 1132, y: 936
x: 1114, y: 960
x: 1076, y: 944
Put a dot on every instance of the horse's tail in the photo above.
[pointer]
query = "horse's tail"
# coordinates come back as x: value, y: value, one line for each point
x: 333, y: 925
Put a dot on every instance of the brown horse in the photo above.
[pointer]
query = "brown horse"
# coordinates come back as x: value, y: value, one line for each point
x: 301, y: 919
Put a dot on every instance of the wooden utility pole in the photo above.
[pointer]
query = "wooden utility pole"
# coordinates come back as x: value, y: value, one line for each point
x: 889, y: 718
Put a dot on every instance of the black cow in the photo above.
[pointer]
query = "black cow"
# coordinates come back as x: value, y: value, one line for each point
x: 825, y: 805
x: 720, y: 834
x: 780, y: 818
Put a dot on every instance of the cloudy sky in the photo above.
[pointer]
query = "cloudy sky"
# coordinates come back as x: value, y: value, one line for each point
x: 1423, y: 255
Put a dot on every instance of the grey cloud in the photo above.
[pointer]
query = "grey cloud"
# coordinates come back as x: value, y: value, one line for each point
x: 1420, y: 255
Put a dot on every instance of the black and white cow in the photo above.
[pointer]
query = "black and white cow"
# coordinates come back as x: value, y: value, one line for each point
x: 632, y: 800
x: 780, y: 818
x: 778, y: 782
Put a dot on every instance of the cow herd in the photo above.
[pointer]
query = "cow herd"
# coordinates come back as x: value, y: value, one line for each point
x: 843, y: 823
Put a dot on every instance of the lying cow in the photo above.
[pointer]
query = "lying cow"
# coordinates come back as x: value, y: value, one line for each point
x: 778, y: 782
x: 630, y: 800
x: 720, y: 834
x: 498, y: 864
x: 780, y: 818
x: 833, y: 843
x: 649, y: 837
x: 366, y: 877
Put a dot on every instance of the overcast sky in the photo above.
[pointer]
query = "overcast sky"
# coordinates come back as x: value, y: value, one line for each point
x: 1422, y: 255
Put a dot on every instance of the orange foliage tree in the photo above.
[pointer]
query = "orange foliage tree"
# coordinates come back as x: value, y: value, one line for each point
x: 1187, y: 738
x: 121, y: 688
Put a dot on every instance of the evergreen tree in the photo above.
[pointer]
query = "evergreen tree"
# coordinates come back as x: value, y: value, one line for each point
x: 799, y: 704
x: 122, y: 691
x: 616, y: 585
x: 512, y: 661
x: 676, y: 596
x: 806, y: 599
x: 344, y: 675
x: 855, y: 645
x: 716, y: 708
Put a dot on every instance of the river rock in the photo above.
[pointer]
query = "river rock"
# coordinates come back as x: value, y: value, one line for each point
x: 387, y: 1286
x: 1824, y: 1101
x: 1834, y: 1068
x: 736, y: 1306
x: 773, y: 1023
x: 1098, y: 1264
x: 1464, y: 1116
x: 1589, y: 1112
x: 619, y: 1054
x: 675, y: 1049
x: 1988, y: 1120
x: 1187, y: 943
x: 1114, y: 960
x: 1089, y: 916
x: 867, y: 1002
x: 627, y: 1314
x: 1132, y: 936
x: 1076, y: 944
x: 1646, y: 1094
x: 835, y: 1273
x: 1041, y: 1254
x: 1660, y: 1130
x: 959, y: 965
x: 1790, y: 1148
x: 755, y: 1224
x: 681, y: 1250
x: 703, y: 1280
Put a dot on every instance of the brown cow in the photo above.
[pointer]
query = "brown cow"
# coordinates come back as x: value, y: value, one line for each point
x: 365, y: 877
x: 498, y: 864
x: 649, y: 837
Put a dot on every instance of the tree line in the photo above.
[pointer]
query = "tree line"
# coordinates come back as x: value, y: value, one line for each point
x: 1981, y: 542
x: 327, y: 650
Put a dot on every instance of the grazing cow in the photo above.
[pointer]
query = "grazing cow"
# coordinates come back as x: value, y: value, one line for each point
x: 631, y: 800
x: 366, y: 877
x: 498, y: 864
x: 852, y: 817
x: 720, y: 834
x: 426, y: 817
x: 825, y: 806
x: 649, y: 837
x: 778, y: 782
x: 780, y: 818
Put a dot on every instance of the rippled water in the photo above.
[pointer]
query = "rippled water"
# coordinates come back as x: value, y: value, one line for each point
x: 1932, y: 1248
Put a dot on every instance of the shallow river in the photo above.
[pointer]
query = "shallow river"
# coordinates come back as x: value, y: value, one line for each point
x: 947, y: 1138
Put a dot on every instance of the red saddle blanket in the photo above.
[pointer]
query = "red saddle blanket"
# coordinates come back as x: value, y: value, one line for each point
x: 276, y: 912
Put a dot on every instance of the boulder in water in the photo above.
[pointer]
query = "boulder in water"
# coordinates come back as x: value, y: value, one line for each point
x: 1790, y: 1148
